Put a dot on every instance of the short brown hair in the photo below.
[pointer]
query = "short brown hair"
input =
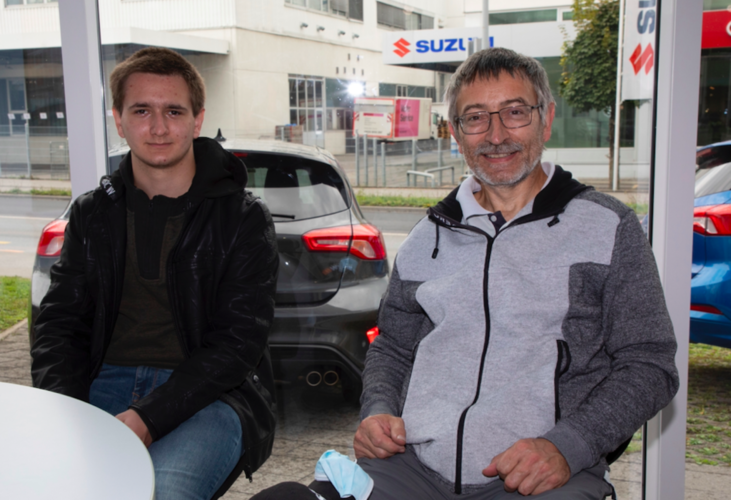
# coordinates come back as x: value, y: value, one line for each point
x: 158, y: 61
x: 489, y: 63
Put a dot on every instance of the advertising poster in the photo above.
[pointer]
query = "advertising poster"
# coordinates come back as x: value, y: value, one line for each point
x: 407, y: 118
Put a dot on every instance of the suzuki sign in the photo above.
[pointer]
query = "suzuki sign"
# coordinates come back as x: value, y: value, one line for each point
x: 428, y: 46
x: 638, y: 64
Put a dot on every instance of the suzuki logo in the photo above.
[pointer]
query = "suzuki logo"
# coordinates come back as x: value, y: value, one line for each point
x: 401, y: 47
x: 640, y: 58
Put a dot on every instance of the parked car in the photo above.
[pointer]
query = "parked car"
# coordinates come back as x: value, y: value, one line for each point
x: 332, y: 270
x: 710, y: 308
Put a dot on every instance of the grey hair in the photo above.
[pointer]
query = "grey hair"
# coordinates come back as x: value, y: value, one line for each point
x: 489, y: 63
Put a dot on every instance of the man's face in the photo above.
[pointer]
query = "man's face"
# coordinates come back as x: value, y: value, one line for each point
x: 501, y: 156
x: 157, y: 120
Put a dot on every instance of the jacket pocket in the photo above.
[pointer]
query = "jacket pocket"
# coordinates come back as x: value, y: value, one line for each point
x: 563, y: 361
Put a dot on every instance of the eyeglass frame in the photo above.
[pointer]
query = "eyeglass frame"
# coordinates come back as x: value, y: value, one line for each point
x: 459, y: 119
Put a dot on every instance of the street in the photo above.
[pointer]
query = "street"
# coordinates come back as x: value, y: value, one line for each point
x: 22, y: 218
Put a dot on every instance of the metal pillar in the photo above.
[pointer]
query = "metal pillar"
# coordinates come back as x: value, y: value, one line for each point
x: 365, y: 157
x: 439, y: 158
x: 375, y: 162
x: 357, y: 160
x: 27, y: 145
x: 383, y: 161
x: 614, y: 181
x: 678, y: 67
x: 84, y: 91
x: 413, y: 154
x: 485, y: 24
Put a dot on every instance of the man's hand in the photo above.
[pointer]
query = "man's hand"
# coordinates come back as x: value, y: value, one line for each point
x: 530, y: 466
x: 131, y: 419
x: 380, y: 436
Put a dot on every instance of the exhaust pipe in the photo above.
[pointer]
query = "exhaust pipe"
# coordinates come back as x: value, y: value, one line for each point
x: 313, y: 378
x: 331, y: 378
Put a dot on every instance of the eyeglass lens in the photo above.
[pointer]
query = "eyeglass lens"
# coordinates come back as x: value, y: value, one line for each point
x: 512, y: 117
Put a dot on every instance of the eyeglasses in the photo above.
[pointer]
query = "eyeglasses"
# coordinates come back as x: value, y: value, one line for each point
x: 512, y: 117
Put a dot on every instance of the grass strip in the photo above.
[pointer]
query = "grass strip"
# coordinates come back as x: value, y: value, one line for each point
x: 41, y: 192
x: 14, y: 294
x: 368, y: 200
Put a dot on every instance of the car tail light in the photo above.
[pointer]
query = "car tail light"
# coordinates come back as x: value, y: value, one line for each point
x: 367, y: 241
x: 714, y: 220
x: 705, y: 308
x: 372, y: 334
x: 52, y: 239
x: 240, y: 155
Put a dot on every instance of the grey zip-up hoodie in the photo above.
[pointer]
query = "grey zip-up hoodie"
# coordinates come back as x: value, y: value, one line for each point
x: 556, y: 327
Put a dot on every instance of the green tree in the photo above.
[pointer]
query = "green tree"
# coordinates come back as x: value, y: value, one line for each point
x: 589, y: 62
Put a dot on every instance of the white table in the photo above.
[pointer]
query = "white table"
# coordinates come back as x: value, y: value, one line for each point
x: 53, y: 447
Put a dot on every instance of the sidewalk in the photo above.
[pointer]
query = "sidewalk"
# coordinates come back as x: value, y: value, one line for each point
x: 312, y: 423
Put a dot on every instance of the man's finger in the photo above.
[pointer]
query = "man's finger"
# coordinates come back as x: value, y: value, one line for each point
x: 398, y: 431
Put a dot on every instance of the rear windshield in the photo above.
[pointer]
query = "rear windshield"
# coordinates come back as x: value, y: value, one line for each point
x: 712, y: 180
x: 294, y: 187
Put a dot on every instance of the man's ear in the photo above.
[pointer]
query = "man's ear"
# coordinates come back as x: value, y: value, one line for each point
x: 199, y: 123
x: 456, y: 137
x: 118, y: 122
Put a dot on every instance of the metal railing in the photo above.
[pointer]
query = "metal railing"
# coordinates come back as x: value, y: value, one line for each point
x: 379, y: 163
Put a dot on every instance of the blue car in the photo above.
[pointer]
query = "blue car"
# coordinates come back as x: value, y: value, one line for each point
x: 710, y: 297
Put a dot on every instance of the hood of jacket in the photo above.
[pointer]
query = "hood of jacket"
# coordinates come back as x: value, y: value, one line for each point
x: 550, y: 201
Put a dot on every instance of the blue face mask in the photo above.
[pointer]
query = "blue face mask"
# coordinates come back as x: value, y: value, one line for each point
x: 346, y: 476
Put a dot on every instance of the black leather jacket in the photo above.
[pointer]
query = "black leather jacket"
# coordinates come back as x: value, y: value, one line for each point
x: 221, y: 283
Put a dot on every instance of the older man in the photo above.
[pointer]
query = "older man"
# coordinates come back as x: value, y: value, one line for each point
x: 524, y: 335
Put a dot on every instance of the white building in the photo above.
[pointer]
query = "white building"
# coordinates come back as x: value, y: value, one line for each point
x: 281, y: 62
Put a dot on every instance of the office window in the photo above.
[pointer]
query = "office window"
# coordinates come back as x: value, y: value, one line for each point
x: 352, y: 9
x: 525, y: 16
x: 716, y: 4
x: 567, y: 15
x: 396, y: 17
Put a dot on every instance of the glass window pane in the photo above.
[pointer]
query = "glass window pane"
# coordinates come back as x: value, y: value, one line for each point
x: 301, y: 99
x: 318, y: 123
x: 528, y: 16
x: 17, y: 94
x: 314, y: 4
x: 355, y: 9
x: 293, y: 116
x: 339, y: 7
x: 310, y: 102
x: 292, y: 92
x: 318, y: 94
x: 716, y: 4
x: 13, y: 2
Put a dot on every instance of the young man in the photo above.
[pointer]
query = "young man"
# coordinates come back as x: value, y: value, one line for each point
x: 161, y: 302
x: 524, y: 335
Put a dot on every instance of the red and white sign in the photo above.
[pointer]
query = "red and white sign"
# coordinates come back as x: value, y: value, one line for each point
x: 392, y: 117
x: 716, y: 29
x: 638, y: 64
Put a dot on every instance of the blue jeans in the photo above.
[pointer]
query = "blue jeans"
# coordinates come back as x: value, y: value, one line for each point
x: 192, y: 461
